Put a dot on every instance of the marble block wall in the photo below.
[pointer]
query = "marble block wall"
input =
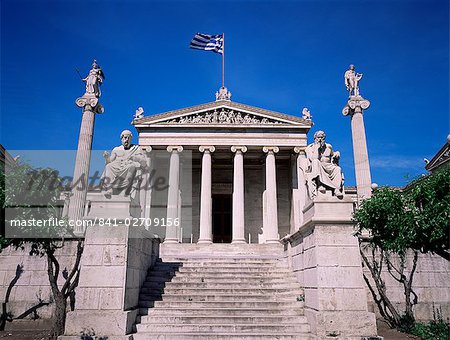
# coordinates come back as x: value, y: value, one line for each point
x: 33, y: 283
x: 114, y: 266
x: 325, y: 257
x: 431, y: 283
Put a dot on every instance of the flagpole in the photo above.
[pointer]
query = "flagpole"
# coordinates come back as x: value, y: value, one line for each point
x: 223, y: 60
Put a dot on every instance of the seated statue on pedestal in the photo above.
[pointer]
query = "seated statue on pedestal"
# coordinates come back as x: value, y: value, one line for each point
x: 322, y: 170
x: 120, y: 174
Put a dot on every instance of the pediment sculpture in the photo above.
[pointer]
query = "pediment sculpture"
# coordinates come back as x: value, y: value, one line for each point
x: 222, y: 116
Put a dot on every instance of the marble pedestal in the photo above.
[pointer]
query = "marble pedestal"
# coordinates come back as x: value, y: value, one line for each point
x: 114, y: 265
x: 118, y: 207
x: 324, y: 254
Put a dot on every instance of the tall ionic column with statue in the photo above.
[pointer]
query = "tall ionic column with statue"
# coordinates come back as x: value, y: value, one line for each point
x: 90, y: 104
x: 354, y: 108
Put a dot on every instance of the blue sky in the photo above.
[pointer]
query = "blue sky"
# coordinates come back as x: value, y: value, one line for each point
x: 280, y: 55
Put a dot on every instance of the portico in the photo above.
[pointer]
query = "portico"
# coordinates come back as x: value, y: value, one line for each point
x: 243, y: 170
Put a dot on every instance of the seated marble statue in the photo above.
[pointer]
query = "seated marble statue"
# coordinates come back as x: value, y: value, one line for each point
x: 322, y: 170
x: 119, y: 175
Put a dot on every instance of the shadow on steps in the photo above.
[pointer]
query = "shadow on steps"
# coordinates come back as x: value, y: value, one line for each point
x: 153, y: 287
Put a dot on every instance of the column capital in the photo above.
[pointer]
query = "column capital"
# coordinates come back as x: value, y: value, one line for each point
x: 300, y: 150
x: 90, y: 103
x: 241, y: 148
x: 146, y: 148
x: 354, y: 105
x: 172, y: 148
x: 273, y: 149
x: 206, y: 148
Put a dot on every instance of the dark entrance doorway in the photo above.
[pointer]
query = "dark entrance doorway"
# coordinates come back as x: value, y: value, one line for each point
x: 221, y: 218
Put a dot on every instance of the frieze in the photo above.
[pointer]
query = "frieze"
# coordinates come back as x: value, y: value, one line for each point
x: 222, y: 116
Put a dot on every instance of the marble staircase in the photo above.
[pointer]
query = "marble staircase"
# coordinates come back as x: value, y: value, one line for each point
x: 221, y: 292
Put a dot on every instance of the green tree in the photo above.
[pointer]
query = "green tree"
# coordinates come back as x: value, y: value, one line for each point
x: 393, y: 222
x: 416, y: 218
x: 431, y: 199
x: 29, y: 194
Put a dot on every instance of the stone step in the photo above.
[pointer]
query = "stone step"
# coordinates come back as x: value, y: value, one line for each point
x: 216, y: 297
x: 232, y: 261
x: 152, y: 278
x: 237, y: 271
x: 221, y: 291
x: 228, y: 290
x: 171, y: 264
x: 208, y: 319
x: 272, y: 264
x: 167, y: 265
x: 188, y: 311
x: 223, y: 304
x: 214, y: 276
x: 224, y: 270
x: 227, y: 279
x: 268, y: 273
x: 241, y: 328
x: 223, y: 336
x: 146, y: 304
x: 220, y: 250
x: 255, y: 284
x: 161, y: 275
x: 227, y: 284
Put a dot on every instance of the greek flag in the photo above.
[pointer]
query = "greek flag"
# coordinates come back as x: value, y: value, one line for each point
x: 208, y: 42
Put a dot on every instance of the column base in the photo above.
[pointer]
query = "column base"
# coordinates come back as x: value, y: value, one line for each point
x: 238, y: 241
x: 204, y: 241
x: 171, y: 240
x: 272, y: 241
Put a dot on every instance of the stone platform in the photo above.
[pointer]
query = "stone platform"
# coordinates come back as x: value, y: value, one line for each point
x: 219, y: 250
x: 221, y: 291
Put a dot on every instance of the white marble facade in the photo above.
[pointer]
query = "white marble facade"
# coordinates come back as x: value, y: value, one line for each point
x: 243, y: 171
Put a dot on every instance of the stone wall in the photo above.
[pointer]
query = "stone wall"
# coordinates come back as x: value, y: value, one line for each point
x: 325, y: 258
x: 431, y: 283
x: 324, y: 255
x: 113, y: 268
x: 33, y: 283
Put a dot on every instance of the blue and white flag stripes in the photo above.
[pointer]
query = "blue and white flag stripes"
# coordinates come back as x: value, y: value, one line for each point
x: 208, y: 42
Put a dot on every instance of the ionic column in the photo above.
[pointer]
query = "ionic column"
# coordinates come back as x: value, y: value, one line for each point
x: 145, y: 186
x: 238, y: 194
x: 354, y: 109
x: 299, y: 195
x: 271, y: 209
x: 90, y: 105
x: 173, y: 193
x: 205, y: 196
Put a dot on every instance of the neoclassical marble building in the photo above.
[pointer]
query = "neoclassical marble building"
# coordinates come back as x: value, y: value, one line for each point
x: 244, y: 162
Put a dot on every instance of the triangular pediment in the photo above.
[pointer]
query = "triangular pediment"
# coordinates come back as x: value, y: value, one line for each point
x: 222, y: 113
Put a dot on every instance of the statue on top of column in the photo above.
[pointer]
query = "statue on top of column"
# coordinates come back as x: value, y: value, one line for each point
x: 94, y: 79
x: 322, y: 170
x: 352, y: 81
x: 120, y: 176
